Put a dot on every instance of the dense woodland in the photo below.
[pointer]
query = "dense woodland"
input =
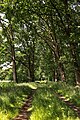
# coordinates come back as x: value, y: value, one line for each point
x: 40, y: 57
x: 40, y: 40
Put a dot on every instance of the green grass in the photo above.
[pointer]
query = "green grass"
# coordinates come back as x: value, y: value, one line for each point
x: 47, y: 106
x: 11, y: 99
x: 71, y: 93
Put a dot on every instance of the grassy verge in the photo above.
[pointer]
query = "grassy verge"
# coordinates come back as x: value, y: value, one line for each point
x: 11, y: 99
x: 71, y: 93
x: 46, y: 106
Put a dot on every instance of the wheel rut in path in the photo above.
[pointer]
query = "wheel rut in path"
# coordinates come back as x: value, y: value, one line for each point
x: 69, y: 104
x: 24, y: 114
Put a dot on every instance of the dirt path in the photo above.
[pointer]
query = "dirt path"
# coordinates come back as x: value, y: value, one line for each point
x: 24, y: 113
x: 69, y: 104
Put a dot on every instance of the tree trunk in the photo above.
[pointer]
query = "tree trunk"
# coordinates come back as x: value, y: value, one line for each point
x: 14, y: 64
x: 13, y: 54
x: 53, y: 77
x: 31, y: 69
x: 75, y: 56
x: 77, y: 75
x: 60, y: 67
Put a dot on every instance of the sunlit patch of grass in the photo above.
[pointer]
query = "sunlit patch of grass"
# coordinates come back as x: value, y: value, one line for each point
x: 32, y: 85
x: 11, y: 99
x: 46, y: 106
x: 3, y: 116
x: 71, y: 93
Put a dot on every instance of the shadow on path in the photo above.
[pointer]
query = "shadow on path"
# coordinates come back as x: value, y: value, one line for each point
x: 24, y: 113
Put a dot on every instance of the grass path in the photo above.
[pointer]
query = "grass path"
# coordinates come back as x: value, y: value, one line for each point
x: 24, y: 112
x: 70, y: 104
x: 45, y: 98
x: 49, y: 105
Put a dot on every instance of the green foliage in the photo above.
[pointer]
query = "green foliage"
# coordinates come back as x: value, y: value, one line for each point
x: 46, y: 35
x: 44, y: 61
x: 11, y: 99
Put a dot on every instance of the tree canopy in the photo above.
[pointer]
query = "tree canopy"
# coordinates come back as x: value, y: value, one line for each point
x: 40, y: 39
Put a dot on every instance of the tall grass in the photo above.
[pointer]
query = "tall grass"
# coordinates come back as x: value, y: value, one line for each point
x: 46, y: 106
x: 71, y: 93
x: 11, y: 99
